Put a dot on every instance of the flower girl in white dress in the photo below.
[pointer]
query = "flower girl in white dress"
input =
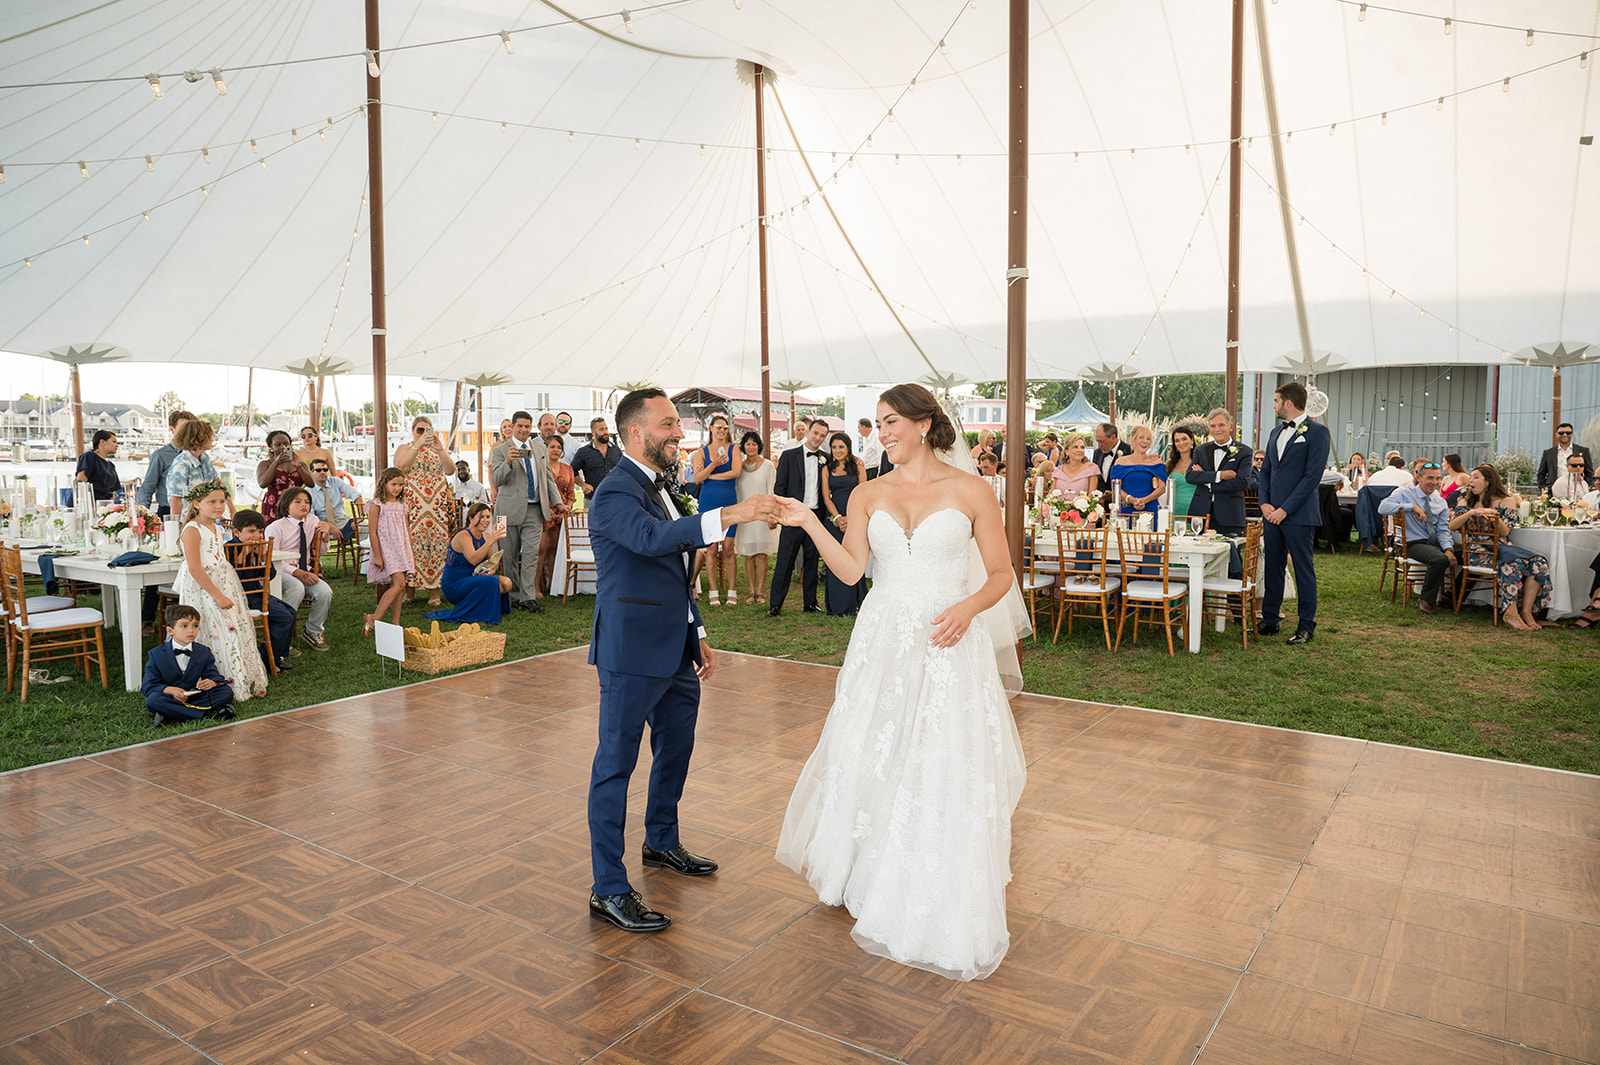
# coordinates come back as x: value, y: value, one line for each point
x: 208, y: 583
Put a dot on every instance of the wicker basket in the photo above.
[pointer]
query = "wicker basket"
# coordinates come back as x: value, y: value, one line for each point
x: 488, y: 647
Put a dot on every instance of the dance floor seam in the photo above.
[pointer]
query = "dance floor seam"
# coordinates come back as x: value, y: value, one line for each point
x: 402, y: 876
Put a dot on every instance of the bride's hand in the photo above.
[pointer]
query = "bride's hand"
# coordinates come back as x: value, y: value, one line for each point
x: 950, y: 626
x: 793, y: 512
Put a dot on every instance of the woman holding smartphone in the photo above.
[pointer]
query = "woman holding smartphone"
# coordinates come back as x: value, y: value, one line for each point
x: 430, y: 505
x: 477, y: 597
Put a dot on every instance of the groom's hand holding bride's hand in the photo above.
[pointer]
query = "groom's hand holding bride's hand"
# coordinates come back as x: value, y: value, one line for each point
x: 751, y: 508
x: 793, y: 512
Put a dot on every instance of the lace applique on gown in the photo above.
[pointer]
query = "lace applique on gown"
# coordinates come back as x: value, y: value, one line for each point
x: 903, y: 812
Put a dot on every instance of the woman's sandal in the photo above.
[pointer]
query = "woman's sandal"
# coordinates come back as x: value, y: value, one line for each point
x: 733, y: 598
x: 711, y: 597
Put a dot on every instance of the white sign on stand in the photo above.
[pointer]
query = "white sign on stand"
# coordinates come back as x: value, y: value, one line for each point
x: 389, y: 640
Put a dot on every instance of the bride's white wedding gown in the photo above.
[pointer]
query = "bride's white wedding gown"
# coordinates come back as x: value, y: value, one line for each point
x: 903, y: 812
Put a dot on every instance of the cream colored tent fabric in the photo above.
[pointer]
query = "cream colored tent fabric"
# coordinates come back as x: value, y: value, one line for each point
x: 606, y: 232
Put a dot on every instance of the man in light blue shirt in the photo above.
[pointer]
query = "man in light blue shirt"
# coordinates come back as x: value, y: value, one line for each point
x: 152, y: 488
x: 1428, y: 536
x: 327, y: 499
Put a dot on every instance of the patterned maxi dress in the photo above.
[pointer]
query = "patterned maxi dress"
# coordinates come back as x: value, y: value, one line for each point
x: 229, y: 634
x: 429, y: 505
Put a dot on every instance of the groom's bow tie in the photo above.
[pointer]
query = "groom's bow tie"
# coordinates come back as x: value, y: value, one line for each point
x: 1286, y: 425
x: 662, y: 484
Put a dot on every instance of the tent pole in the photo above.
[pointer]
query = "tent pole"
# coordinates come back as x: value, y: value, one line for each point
x: 1280, y: 174
x: 380, y: 318
x: 1111, y: 415
x: 479, y: 434
x: 1230, y: 384
x: 761, y: 264
x: 1017, y: 277
x: 249, y: 401
x: 77, y: 407
x: 1555, y: 399
x: 455, y: 419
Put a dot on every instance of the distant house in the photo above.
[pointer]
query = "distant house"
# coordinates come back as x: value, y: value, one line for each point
x: 21, y: 419
x: 742, y: 405
x: 980, y: 413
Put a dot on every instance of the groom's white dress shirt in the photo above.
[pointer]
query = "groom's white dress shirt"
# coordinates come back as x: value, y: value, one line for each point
x: 710, y: 524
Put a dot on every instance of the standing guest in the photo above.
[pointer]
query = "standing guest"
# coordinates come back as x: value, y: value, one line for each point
x: 1077, y: 474
x: 1428, y: 536
x: 1572, y: 484
x: 1226, y: 474
x: 1140, y: 477
x: 1181, y: 461
x: 756, y: 540
x: 430, y: 505
x: 1394, y: 472
x: 389, y: 533
x: 569, y: 443
x: 846, y: 473
x: 1051, y: 447
x: 311, y: 449
x: 466, y: 489
x: 96, y: 468
x: 1455, y: 477
x: 152, y: 494
x: 249, y: 527
x: 802, y: 427
x: 1553, y: 463
x: 207, y: 582
x: 486, y: 597
x: 296, y: 530
x: 1108, y: 447
x: 649, y: 648
x: 192, y: 464
x: 1296, y: 453
x: 547, y: 427
x: 800, y: 472
x: 871, y: 447
x: 550, y: 535
x: 526, y: 497
x: 279, y: 471
x: 712, y: 469
x: 596, y: 458
x: 505, y: 429
x: 1522, y: 581
x: 328, y: 494
x: 181, y: 682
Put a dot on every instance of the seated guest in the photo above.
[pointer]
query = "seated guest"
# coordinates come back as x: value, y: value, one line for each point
x: 181, y: 682
x: 328, y: 494
x: 249, y: 527
x: 466, y: 489
x: 484, y: 598
x: 989, y: 469
x: 295, y: 530
x: 1394, y: 474
x: 1428, y: 538
x: 1591, y: 499
x: 1570, y: 485
x: 95, y: 467
x: 1523, y: 578
x: 1252, y: 481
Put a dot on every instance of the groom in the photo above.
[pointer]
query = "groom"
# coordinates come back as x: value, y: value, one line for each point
x: 649, y: 647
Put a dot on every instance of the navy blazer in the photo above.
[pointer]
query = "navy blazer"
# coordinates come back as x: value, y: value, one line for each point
x: 643, y: 594
x: 161, y: 669
x: 1291, y: 482
x: 1223, y: 500
x: 790, y: 480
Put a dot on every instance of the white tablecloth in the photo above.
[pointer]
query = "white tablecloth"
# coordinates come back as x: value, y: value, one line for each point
x: 1569, y: 551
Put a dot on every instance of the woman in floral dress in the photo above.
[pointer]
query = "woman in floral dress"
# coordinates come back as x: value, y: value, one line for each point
x: 279, y: 472
x: 1522, y: 575
x: 429, y: 505
x: 207, y: 582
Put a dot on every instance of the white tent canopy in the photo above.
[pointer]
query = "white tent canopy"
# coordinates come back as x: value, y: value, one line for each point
x: 583, y: 211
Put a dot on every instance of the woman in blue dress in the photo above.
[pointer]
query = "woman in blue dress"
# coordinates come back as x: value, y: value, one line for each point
x: 713, y: 471
x: 477, y: 597
x: 845, y: 474
x: 1141, y: 478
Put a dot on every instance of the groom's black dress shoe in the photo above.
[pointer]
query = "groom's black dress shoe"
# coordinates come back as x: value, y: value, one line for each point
x: 628, y: 912
x: 1301, y: 636
x: 1263, y: 629
x: 773, y: 612
x: 679, y: 860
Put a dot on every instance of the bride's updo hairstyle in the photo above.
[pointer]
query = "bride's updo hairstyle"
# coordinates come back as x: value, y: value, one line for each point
x: 916, y: 403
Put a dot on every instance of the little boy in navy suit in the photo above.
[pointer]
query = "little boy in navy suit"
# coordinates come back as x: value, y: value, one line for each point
x: 249, y: 527
x: 181, y: 682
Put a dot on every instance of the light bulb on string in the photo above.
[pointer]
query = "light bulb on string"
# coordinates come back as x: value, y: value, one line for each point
x: 216, y: 77
x: 1583, y: 60
x: 86, y: 240
x: 1447, y: 27
x: 502, y: 129
x: 253, y: 149
x: 1440, y: 105
x: 1505, y: 86
x: 869, y: 140
x: 205, y: 155
x: 1383, y: 119
x: 294, y: 136
x: 150, y: 164
x: 569, y: 136
x: 83, y: 169
x: 627, y: 20
x: 1331, y: 127
x: 263, y: 163
x: 1361, y: 16
x: 505, y: 39
x: 1529, y: 41
x: 913, y: 86
x: 155, y: 85
x: 146, y: 216
x: 944, y: 49
x: 372, y: 62
x: 891, y: 114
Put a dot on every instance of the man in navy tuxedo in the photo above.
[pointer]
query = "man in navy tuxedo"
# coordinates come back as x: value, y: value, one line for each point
x: 1220, y: 481
x: 650, y: 649
x: 800, y: 473
x: 181, y: 681
x: 1291, y: 513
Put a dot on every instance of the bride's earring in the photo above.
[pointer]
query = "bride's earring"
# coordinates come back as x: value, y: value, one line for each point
x: 924, y: 438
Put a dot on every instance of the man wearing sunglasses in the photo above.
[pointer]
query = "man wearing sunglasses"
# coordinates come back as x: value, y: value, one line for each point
x: 569, y: 443
x: 1553, y: 464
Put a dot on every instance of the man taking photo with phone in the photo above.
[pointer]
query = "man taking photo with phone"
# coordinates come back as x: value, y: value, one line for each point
x: 526, y: 498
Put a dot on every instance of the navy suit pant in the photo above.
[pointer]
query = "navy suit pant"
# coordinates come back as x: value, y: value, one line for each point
x: 1289, y: 543
x: 670, y: 706
x: 210, y: 699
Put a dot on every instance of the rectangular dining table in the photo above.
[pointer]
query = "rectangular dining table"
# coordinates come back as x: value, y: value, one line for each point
x: 1570, y: 549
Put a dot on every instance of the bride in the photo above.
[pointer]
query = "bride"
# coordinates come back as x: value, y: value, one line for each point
x: 903, y: 812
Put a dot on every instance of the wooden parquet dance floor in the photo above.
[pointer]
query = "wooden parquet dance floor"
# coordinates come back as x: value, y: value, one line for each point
x: 402, y: 878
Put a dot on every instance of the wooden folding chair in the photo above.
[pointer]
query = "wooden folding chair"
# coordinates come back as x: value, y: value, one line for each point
x: 253, y: 565
x: 1039, y: 572
x: 580, y: 553
x: 1084, y: 582
x: 74, y: 632
x: 1235, y: 597
x: 1407, y: 572
x: 1480, y: 562
x: 1147, y: 584
x: 319, y: 544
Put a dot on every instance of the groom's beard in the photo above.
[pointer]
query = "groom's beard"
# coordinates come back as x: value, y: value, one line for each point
x: 661, y: 453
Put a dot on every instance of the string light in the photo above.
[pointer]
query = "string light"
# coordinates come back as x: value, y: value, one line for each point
x: 253, y: 149
x: 738, y: 5
x: 147, y: 216
x: 944, y: 49
x: 1447, y: 27
x: 86, y: 240
x: 216, y: 76
x: 1529, y: 41
x: 505, y: 39
x: 372, y: 62
x: 1505, y: 86
x: 502, y: 128
x: 1440, y: 105
x: 83, y: 168
x: 1384, y: 119
x: 294, y: 136
x: 1362, y: 15
x: 2, y: 175
x: 569, y: 136
x: 150, y: 164
x: 203, y: 191
x: 627, y: 20
x: 1583, y: 60
x: 205, y: 155
x: 155, y: 84
x: 913, y: 86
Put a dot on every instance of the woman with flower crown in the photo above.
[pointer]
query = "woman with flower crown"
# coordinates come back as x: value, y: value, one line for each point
x: 207, y: 582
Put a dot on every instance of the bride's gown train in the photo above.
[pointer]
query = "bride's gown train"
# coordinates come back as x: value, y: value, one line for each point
x: 903, y: 812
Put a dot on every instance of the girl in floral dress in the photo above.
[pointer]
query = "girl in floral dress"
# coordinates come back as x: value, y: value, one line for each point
x: 391, y: 561
x: 206, y: 581
x: 1522, y: 575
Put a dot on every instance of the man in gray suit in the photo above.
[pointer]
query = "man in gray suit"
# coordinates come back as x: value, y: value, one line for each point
x: 526, y: 498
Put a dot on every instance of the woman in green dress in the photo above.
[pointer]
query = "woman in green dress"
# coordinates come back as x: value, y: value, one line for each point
x: 1180, y: 460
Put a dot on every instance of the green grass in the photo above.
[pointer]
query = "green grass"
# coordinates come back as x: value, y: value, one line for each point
x: 1446, y: 682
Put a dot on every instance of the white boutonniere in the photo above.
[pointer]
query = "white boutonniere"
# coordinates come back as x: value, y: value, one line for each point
x: 822, y: 460
x: 1233, y: 449
x: 1300, y: 430
x: 687, y: 504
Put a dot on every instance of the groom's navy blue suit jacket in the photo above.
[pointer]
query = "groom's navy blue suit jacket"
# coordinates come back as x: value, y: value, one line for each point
x: 643, y: 593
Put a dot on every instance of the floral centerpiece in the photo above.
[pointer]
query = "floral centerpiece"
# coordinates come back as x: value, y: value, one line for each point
x: 122, y: 519
x: 1557, y: 510
x: 1072, y: 511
